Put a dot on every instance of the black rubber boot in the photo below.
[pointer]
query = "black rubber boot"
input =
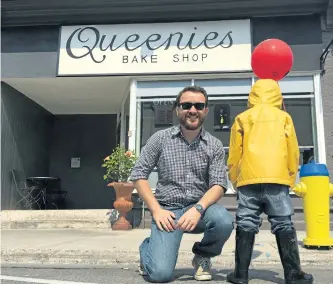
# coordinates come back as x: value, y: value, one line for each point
x: 289, y: 254
x: 244, y: 248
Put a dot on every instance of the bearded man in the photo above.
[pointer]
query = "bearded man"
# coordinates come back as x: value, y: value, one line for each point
x: 192, y: 177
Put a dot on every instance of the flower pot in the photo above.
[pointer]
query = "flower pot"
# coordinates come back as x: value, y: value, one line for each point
x: 123, y: 204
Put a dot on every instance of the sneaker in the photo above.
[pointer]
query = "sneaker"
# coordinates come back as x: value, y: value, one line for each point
x: 142, y: 271
x: 202, y: 266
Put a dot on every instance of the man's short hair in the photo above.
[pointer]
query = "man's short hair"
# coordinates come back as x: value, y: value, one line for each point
x: 194, y: 89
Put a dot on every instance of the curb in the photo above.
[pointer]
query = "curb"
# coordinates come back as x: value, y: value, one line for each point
x: 126, y: 257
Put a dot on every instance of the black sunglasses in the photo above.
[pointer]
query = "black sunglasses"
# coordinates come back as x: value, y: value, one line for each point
x: 188, y: 106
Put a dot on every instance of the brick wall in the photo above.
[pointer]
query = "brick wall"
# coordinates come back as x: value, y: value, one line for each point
x: 327, y: 91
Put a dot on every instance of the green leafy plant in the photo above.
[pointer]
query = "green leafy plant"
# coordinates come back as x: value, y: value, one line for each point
x: 119, y: 165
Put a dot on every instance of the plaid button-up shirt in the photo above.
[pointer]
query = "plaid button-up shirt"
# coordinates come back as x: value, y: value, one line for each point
x: 185, y: 171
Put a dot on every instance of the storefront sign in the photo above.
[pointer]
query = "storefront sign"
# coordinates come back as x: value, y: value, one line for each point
x: 155, y: 48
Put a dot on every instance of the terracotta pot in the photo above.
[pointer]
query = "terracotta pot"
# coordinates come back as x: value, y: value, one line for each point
x: 123, y: 204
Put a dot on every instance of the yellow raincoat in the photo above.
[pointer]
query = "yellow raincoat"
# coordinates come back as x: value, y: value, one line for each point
x: 263, y: 142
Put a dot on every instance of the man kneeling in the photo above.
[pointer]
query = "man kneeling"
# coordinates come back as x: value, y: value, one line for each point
x: 191, y: 179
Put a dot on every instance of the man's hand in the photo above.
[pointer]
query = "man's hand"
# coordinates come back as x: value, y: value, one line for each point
x: 165, y: 220
x: 189, y: 220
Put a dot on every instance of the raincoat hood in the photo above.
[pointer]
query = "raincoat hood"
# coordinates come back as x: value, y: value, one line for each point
x: 265, y: 91
x: 263, y: 144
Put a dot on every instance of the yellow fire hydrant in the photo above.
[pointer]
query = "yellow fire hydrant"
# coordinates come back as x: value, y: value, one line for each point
x: 316, y: 190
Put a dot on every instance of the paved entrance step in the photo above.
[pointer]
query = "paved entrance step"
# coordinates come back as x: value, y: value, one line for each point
x: 56, y: 219
x: 100, y: 219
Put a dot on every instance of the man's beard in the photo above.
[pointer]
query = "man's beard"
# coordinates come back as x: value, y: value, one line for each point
x: 184, y: 122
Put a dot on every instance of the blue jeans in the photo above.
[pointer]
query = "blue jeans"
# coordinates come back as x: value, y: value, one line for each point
x: 271, y: 199
x: 159, y: 252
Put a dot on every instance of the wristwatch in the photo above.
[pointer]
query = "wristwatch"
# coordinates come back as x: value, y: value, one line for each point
x: 199, y: 208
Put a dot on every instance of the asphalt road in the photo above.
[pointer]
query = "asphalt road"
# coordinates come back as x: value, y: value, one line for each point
x: 129, y: 274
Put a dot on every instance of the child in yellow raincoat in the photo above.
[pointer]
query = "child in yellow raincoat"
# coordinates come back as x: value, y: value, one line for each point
x: 263, y: 164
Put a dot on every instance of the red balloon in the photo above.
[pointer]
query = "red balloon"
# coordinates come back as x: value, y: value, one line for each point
x: 272, y: 59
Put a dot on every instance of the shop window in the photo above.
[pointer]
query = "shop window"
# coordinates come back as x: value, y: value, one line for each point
x: 158, y: 115
x: 155, y: 116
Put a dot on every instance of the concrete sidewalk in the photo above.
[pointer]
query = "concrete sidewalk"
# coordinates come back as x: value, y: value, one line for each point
x: 103, y: 247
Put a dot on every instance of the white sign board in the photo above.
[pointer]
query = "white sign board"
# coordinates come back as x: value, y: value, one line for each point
x: 75, y: 163
x: 159, y: 48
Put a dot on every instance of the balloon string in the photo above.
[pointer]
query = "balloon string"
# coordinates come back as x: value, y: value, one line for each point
x: 284, y: 106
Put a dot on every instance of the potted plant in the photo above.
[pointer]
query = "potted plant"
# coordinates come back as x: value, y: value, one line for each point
x: 118, y: 167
